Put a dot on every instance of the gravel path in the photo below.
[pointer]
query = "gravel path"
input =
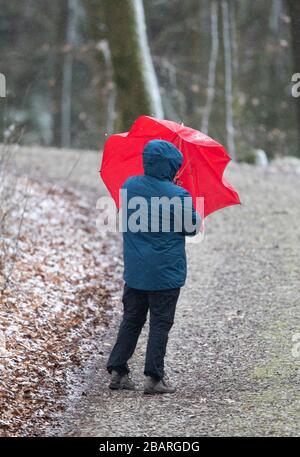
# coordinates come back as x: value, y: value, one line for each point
x: 231, y: 349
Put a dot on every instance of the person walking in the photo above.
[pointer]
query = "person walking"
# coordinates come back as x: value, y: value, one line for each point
x: 154, y: 263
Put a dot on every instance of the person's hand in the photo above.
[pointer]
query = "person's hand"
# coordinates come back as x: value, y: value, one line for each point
x: 177, y: 181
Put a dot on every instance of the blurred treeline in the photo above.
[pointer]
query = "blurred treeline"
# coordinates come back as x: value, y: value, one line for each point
x: 223, y: 66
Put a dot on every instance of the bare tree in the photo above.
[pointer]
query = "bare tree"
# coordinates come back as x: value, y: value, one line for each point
x: 62, y: 90
x: 66, y: 100
x: 275, y: 15
x: 228, y: 80
x: 234, y: 38
x: 211, y: 89
x: 111, y: 89
x: 60, y: 37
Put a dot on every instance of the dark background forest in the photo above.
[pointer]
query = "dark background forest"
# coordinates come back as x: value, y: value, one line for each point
x: 223, y: 67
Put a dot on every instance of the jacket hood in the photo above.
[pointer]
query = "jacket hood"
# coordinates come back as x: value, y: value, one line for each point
x: 161, y: 159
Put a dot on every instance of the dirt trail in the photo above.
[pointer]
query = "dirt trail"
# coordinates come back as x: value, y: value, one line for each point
x: 231, y: 351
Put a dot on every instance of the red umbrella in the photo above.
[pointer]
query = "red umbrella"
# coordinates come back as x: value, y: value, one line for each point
x: 201, y: 173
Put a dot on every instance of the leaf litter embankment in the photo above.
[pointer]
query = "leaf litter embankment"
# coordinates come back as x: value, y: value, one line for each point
x: 57, y: 304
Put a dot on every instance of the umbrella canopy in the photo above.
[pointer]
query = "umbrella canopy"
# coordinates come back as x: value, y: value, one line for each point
x: 201, y: 173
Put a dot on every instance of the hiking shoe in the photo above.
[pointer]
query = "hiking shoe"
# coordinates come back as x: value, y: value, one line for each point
x: 152, y: 386
x: 119, y: 381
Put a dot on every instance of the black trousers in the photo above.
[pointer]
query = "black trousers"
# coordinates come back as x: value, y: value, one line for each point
x: 136, y: 303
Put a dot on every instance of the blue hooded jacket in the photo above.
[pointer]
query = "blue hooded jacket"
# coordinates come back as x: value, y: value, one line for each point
x: 154, y: 259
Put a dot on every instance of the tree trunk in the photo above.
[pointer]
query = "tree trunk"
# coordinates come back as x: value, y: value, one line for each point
x: 66, y: 99
x: 60, y: 36
x: 275, y: 16
x: 294, y: 11
x: 62, y: 94
x: 111, y: 89
x: 134, y: 75
x: 211, y: 84
x: 228, y: 80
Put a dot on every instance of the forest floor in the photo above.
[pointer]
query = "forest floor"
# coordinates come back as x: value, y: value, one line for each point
x: 64, y: 277
x: 234, y: 350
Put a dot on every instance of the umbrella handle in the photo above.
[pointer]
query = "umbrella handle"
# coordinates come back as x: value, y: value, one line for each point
x: 177, y: 181
x: 179, y: 173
